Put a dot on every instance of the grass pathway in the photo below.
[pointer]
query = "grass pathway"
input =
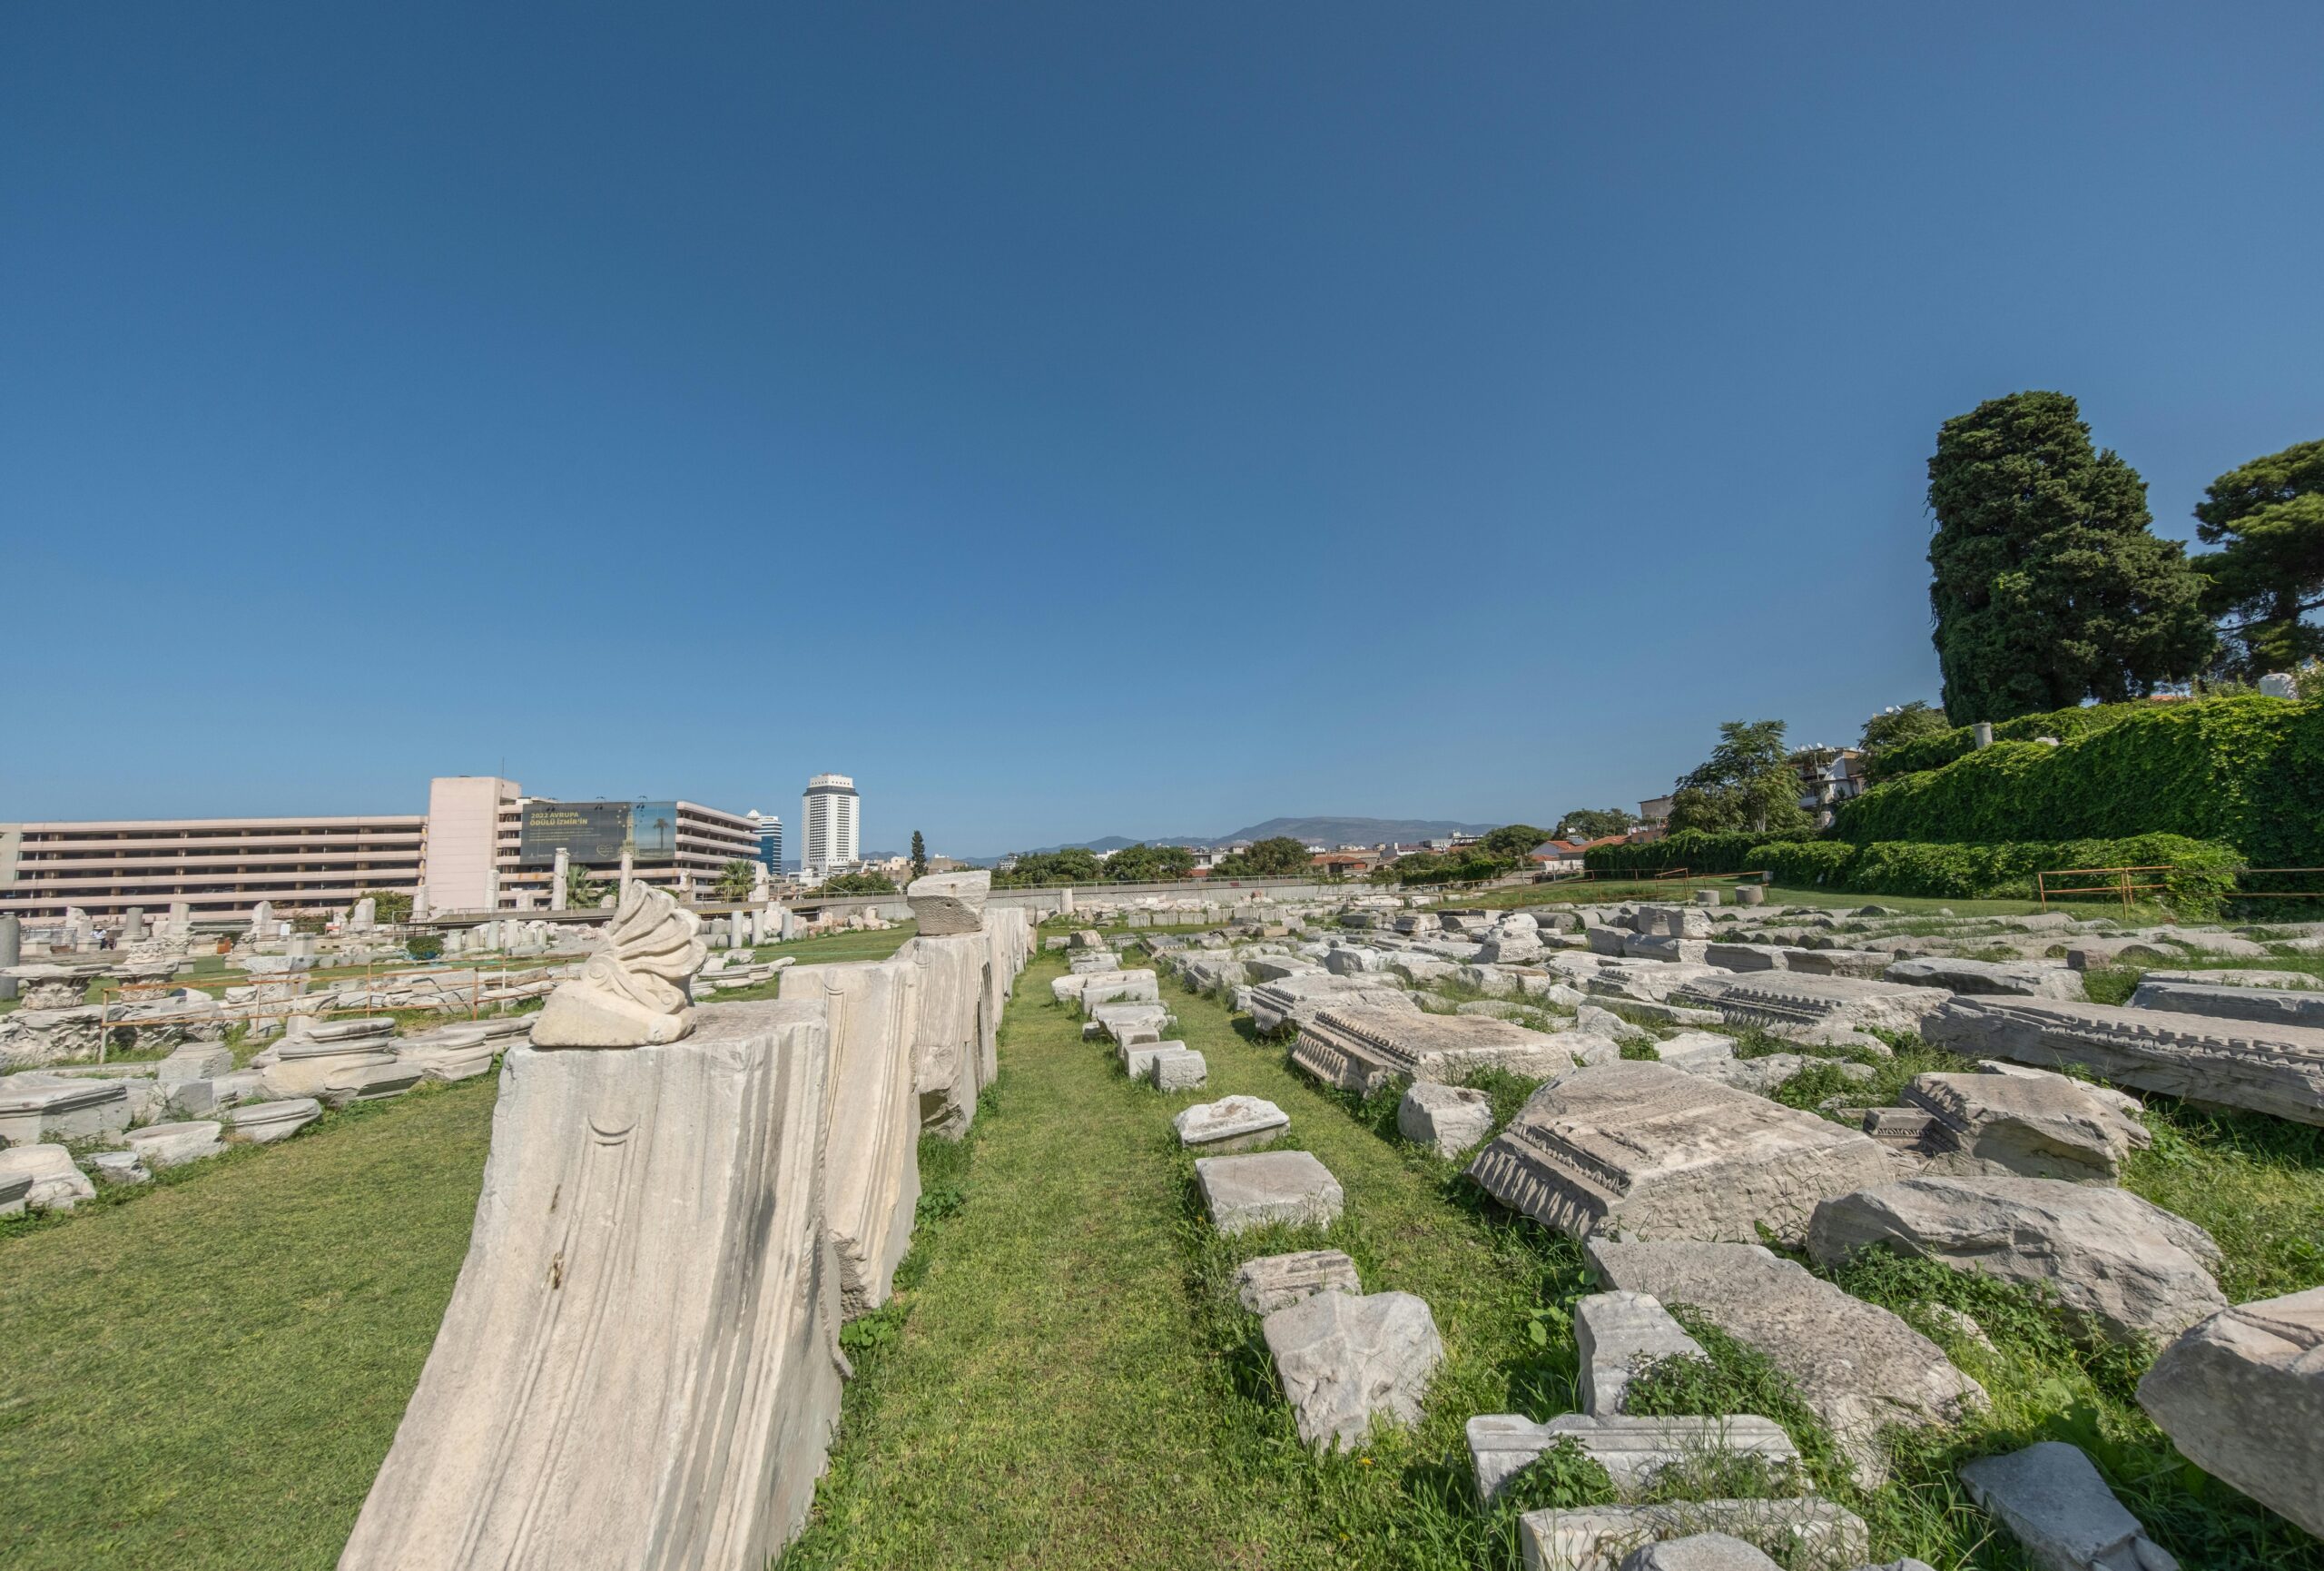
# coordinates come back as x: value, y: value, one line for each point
x: 1069, y: 1384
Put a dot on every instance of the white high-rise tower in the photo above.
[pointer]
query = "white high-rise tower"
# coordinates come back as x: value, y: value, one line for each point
x: 827, y: 824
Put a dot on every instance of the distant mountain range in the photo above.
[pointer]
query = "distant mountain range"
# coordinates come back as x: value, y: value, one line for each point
x: 1310, y: 831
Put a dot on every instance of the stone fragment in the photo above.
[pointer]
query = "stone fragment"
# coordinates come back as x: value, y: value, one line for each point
x: 2015, y: 979
x: 1273, y: 1282
x: 2242, y: 1396
x: 1698, y: 1552
x: 2061, y: 1512
x: 53, y: 1182
x: 1270, y: 1186
x: 1857, y: 1367
x: 1657, y: 1153
x: 1448, y: 1118
x: 1346, y: 1360
x: 1612, y: 1333
x: 1785, y: 1002
x: 264, y: 1122
x: 948, y: 903
x: 1695, y: 1050
x: 2264, y: 1006
x: 1232, y: 1123
x: 15, y: 1192
x: 1634, y: 1452
x: 1176, y: 1069
x: 195, y: 1060
x: 1807, y: 1534
x: 161, y: 1145
x: 2048, y: 1128
x: 120, y: 1167
x: 2134, y: 1271
x: 2273, y: 1069
x: 1118, y: 987
x: 1295, y: 1000
x: 640, y: 1363
x: 53, y: 1107
x: 1605, y: 1022
x: 1362, y: 1048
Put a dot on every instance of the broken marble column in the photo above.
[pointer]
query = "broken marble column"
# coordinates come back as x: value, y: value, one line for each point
x: 35, y: 1111
x: 2242, y: 1396
x: 872, y: 1117
x: 639, y: 1365
x: 1346, y: 1361
x: 1659, y: 1153
x: 951, y: 1025
x: 11, y: 953
x: 264, y: 1122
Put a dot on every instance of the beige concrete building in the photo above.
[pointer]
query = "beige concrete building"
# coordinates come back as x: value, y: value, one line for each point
x: 482, y: 845
x: 219, y: 867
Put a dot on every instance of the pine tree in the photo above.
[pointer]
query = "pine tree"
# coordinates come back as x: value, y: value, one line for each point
x: 2269, y: 515
x: 2050, y: 587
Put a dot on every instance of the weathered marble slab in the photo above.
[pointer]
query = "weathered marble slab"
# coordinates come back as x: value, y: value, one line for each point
x: 1657, y: 1153
x: 2271, y: 1069
x: 1362, y: 1048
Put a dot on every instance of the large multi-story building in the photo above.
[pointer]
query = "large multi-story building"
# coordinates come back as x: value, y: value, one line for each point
x: 682, y: 846
x: 770, y: 840
x: 216, y: 867
x: 482, y: 845
x: 827, y: 824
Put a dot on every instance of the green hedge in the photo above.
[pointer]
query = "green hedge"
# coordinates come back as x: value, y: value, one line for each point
x: 2203, y: 873
x: 2244, y: 772
x: 2067, y: 725
x: 1696, y: 850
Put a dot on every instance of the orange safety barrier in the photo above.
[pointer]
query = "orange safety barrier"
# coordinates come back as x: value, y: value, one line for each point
x: 2122, y: 881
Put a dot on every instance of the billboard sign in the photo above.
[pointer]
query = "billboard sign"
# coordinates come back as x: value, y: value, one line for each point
x: 595, y: 833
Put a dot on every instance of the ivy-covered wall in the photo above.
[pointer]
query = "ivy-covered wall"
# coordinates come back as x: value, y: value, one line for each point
x: 2242, y: 772
x: 2201, y: 875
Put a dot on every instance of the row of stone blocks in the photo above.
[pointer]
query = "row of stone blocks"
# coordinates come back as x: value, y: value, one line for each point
x: 640, y: 1365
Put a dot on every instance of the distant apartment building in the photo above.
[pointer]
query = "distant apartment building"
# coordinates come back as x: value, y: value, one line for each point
x: 828, y: 824
x: 1827, y: 777
x: 770, y: 830
x: 218, y: 868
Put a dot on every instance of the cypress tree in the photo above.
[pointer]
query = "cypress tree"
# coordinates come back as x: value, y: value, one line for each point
x: 2050, y: 586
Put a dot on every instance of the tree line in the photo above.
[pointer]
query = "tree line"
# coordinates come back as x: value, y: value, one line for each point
x: 2050, y: 586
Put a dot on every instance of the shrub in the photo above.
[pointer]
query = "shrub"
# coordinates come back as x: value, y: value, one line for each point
x: 1696, y: 850
x: 424, y: 946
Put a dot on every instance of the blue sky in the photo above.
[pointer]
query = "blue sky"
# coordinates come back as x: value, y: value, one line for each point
x: 1073, y: 419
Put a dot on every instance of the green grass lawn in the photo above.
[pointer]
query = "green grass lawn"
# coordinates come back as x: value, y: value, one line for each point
x: 210, y: 1374
x: 1578, y: 892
